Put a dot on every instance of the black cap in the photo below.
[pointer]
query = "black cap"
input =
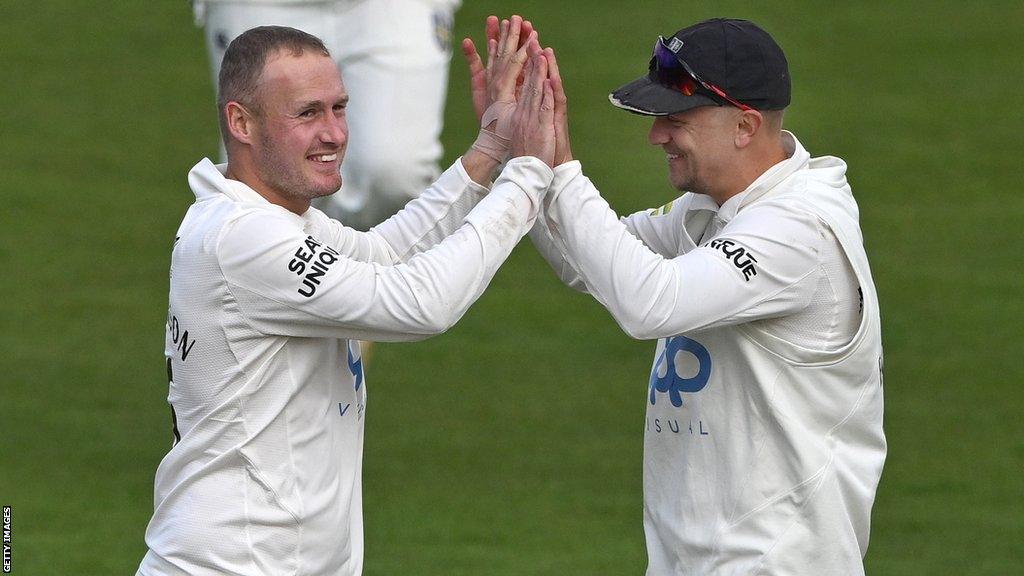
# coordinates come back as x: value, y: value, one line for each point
x: 735, y: 55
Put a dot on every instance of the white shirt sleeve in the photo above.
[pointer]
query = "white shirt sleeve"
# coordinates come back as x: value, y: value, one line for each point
x: 544, y: 241
x: 763, y: 264
x: 668, y: 230
x: 544, y: 238
x: 421, y: 224
x: 288, y: 283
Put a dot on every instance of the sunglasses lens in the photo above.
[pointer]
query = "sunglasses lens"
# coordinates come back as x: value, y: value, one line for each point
x: 665, y: 57
x: 670, y: 72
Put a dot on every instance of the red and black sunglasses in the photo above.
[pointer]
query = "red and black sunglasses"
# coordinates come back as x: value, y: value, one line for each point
x: 674, y: 73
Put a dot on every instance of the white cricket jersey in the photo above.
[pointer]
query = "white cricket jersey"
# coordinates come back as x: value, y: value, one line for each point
x: 266, y: 380
x: 761, y: 455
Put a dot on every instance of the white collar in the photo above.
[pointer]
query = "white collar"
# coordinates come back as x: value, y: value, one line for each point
x: 208, y: 179
x: 797, y: 159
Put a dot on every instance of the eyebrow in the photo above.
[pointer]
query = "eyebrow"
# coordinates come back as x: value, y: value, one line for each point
x: 316, y: 103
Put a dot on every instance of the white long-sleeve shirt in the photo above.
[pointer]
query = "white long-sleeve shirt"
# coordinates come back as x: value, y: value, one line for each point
x: 266, y: 384
x: 763, y: 445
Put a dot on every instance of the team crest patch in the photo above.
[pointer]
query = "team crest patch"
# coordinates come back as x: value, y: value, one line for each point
x: 443, y: 22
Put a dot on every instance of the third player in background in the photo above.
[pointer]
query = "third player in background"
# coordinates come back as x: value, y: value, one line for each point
x: 394, y: 55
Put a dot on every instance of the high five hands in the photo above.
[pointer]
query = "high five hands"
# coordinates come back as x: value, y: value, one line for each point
x: 518, y: 96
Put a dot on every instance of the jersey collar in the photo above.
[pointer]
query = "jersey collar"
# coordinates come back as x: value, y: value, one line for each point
x: 208, y: 180
x: 797, y: 160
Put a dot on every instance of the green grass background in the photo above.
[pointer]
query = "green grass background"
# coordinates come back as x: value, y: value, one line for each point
x: 512, y: 444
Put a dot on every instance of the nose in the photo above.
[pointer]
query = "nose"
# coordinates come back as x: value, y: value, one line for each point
x: 658, y: 135
x: 334, y: 130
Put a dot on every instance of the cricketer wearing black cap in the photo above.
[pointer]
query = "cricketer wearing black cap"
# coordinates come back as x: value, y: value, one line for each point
x: 763, y: 440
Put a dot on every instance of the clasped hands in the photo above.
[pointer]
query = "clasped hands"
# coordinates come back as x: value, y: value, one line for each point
x: 518, y: 96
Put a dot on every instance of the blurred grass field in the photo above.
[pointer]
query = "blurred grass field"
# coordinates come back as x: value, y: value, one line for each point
x: 512, y: 444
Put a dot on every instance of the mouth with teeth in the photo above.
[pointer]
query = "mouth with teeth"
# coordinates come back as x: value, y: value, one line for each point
x: 672, y: 157
x: 324, y: 158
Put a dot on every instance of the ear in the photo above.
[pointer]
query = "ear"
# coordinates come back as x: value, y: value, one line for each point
x: 747, y: 126
x: 241, y: 122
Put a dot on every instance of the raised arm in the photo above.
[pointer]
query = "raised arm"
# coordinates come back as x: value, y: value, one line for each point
x: 648, y: 271
x: 764, y: 264
x: 662, y: 230
x: 285, y: 282
x: 442, y: 207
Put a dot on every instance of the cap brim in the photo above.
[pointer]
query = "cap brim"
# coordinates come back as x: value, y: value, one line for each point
x: 647, y: 97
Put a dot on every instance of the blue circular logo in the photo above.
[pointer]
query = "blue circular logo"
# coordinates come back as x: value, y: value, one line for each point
x: 671, y: 382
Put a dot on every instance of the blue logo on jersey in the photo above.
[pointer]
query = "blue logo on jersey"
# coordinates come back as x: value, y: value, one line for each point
x: 671, y: 382
x: 355, y: 365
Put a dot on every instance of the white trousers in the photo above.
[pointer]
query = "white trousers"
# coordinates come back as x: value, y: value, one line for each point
x: 393, y: 56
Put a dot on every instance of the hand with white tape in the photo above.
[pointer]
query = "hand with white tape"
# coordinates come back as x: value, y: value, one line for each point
x: 510, y: 44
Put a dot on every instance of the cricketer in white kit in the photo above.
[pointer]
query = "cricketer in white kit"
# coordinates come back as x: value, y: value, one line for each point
x: 763, y: 444
x: 268, y: 294
x: 394, y: 55
x: 266, y: 382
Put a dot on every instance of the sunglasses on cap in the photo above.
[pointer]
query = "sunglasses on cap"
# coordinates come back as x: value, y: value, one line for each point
x: 674, y: 73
